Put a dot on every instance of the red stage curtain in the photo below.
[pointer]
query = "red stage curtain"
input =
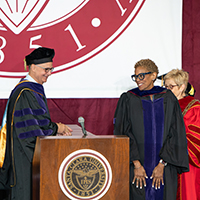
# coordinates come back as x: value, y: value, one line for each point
x: 98, y: 113
x: 191, y: 42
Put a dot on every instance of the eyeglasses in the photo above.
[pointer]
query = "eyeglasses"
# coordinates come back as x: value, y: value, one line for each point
x: 170, y: 86
x: 46, y: 69
x: 141, y: 76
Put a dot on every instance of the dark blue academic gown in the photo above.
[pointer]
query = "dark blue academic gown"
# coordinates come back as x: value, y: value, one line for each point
x: 156, y: 131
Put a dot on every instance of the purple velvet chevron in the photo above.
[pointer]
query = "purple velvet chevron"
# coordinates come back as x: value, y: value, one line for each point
x: 34, y: 133
x: 32, y: 122
x: 29, y: 111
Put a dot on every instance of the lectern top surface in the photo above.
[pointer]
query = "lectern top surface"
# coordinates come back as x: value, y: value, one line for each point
x: 77, y: 133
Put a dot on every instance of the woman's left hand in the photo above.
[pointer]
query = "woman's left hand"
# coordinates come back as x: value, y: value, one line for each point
x: 157, y: 176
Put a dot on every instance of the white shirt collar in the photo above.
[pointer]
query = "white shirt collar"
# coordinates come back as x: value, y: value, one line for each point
x: 29, y: 78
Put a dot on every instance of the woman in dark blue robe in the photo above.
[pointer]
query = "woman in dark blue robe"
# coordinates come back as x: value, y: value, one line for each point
x: 151, y: 117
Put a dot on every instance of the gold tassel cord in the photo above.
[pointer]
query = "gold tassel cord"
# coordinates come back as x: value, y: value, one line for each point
x: 2, y: 145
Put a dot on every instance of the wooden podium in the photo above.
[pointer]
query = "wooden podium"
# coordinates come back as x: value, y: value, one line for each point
x: 59, y: 161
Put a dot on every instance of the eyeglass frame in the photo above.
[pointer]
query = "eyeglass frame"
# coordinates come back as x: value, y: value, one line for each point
x: 137, y: 76
x: 171, y: 86
x: 46, y: 69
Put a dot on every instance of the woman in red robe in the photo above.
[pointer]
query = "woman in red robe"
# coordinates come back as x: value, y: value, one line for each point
x: 189, y: 182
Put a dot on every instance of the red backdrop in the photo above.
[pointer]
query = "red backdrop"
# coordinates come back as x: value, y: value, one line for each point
x: 98, y: 113
x: 191, y: 42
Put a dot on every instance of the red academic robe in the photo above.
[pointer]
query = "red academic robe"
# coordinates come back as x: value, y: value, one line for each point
x: 189, y: 182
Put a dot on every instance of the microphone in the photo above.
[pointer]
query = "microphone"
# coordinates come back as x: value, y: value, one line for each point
x: 81, y: 121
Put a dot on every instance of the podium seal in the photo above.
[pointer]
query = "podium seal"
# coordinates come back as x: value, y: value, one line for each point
x: 85, y: 174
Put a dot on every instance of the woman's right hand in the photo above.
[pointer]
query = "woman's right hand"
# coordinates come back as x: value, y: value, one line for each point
x: 139, y: 175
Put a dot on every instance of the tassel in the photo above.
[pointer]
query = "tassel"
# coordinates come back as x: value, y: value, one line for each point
x: 25, y: 65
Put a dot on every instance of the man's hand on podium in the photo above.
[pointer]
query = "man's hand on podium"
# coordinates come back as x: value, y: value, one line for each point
x: 63, y: 129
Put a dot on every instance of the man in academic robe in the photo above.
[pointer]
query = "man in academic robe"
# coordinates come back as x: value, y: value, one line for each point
x: 26, y: 117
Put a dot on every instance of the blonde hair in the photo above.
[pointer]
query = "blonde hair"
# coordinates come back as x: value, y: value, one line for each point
x: 148, y: 64
x: 180, y: 77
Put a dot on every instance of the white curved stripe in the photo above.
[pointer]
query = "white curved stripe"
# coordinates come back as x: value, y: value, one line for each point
x: 37, y: 27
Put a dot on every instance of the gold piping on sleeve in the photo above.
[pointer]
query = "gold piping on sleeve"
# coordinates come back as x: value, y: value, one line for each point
x: 2, y: 145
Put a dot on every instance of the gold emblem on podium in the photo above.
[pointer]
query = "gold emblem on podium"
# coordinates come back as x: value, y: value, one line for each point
x: 86, y: 175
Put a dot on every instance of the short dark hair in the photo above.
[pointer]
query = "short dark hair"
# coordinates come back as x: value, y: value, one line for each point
x: 147, y: 63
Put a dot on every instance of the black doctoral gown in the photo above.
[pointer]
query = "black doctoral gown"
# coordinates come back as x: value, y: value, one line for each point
x: 156, y: 131
x: 27, y: 117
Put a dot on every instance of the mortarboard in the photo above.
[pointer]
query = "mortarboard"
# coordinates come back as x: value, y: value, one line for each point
x: 39, y: 56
